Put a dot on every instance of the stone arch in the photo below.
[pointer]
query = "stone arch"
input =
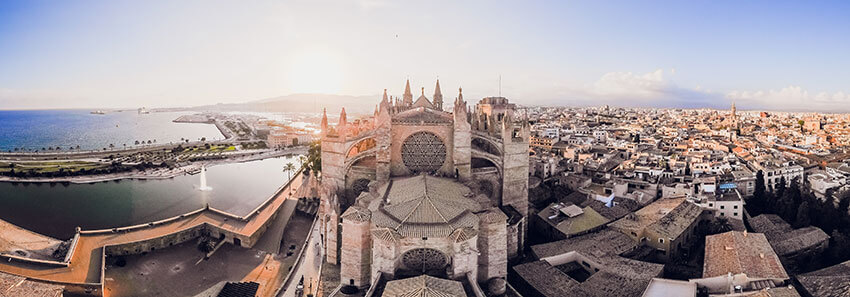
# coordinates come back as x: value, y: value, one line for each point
x: 483, y: 163
x: 360, y: 147
x: 484, y: 145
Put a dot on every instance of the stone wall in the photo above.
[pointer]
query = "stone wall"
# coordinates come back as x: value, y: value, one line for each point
x: 152, y: 244
x: 492, y: 245
x: 464, y: 258
x: 384, y: 254
x: 356, y: 253
x: 515, y: 177
x: 462, y: 143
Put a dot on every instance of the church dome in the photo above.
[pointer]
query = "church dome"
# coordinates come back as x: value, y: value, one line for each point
x: 426, y: 206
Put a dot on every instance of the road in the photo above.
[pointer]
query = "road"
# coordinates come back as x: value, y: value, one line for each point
x: 309, y: 267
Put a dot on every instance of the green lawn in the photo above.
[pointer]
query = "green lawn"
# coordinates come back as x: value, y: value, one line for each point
x: 53, y: 166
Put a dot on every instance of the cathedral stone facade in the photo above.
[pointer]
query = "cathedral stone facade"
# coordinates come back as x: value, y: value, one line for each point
x: 418, y: 190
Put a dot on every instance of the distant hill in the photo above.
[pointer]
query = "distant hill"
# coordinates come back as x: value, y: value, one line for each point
x: 303, y: 103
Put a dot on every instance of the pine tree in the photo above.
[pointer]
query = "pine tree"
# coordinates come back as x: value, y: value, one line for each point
x: 758, y: 202
x: 803, y: 219
x: 838, y: 246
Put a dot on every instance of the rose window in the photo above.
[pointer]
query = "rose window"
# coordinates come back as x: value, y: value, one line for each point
x: 423, y: 259
x: 423, y: 152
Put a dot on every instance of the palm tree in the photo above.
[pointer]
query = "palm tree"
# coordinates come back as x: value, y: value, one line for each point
x: 289, y: 167
x: 302, y: 159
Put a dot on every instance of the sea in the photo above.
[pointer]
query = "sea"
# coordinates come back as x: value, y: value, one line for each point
x: 33, y: 130
x: 55, y: 209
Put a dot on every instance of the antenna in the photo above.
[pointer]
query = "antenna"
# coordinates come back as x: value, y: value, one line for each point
x: 500, y: 85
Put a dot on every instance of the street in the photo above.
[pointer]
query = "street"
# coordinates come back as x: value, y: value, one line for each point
x: 309, y: 267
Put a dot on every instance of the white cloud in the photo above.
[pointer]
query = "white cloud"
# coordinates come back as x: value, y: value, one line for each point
x: 658, y: 89
x: 630, y: 84
x: 651, y: 89
x: 791, y: 98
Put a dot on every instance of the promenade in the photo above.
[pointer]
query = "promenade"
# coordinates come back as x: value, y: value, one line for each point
x: 85, y: 267
x: 159, y: 173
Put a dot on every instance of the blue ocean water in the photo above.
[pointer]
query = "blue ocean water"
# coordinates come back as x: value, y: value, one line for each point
x: 37, y: 129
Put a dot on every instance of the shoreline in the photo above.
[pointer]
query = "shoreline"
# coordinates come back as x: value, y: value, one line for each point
x: 156, y: 174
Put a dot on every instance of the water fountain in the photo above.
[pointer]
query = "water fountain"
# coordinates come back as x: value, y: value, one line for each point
x: 203, y: 186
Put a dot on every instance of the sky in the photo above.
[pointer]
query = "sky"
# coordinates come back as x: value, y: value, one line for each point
x: 771, y: 55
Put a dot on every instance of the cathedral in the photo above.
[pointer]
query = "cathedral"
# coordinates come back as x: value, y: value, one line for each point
x: 419, y: 194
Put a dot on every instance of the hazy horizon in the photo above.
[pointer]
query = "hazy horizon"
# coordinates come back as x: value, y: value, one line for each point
x: 763, y: 55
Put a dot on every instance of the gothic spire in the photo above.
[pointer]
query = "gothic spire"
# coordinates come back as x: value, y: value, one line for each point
x: 324, y: 123
x: 342, y: 119
x: 459, y: 99
x: 438, y: 96
x: 408, y: 96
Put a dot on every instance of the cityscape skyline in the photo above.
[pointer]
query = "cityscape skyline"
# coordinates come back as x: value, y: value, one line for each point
x: 651, y: 54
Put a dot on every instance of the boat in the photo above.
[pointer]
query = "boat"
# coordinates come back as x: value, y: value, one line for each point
x: 98, y: 112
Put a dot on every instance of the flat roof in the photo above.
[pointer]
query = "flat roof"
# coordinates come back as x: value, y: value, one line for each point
x: 660, y: 287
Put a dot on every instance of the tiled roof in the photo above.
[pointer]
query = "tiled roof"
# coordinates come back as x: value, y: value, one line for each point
x: 357, y: 214
x: 740, y: 252
x: 677, y: 220
x: 492, y: 216
x: 784, y: 292
x: 424, y: 286
x: 588, y: 220
x: 386, y: 234
x: 621, y: 208
x: 463, y: 234
x: 13, y: 285
x: 423, y: 206
x: 647, y: 215
x: 547, y: 279
x: 604, y: 242
x: 798, y: 240
x: 422, y: 115
x: 783, y: 238
x: 619, y: 277
x: 831, y: 281
x: 423, y: 102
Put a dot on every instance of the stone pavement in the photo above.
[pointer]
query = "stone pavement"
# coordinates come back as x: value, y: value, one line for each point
x: 86, y: 264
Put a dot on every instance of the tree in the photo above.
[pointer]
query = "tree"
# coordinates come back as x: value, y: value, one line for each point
x: 781, y: 186
x: 838, y: 246
x: 289, y: 167
x: 301, y: 160
x: 720, y: 225
x: 784, y: 207
x: 803, y: 219
x: 844, y: 205
x: 759, y: 200
x: 314, y: 156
